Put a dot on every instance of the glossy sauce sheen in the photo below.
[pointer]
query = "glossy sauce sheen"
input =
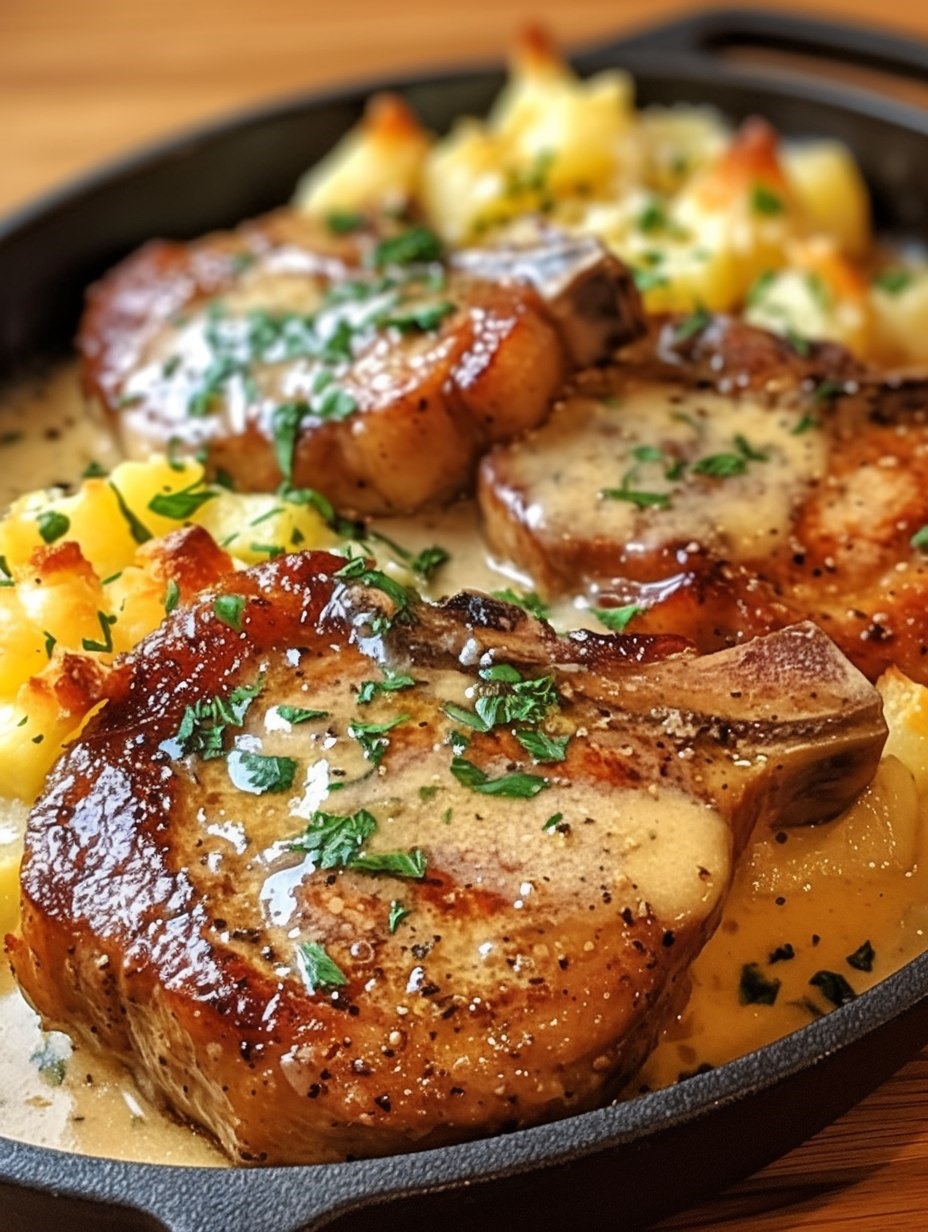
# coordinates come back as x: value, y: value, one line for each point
x: 89, y: 1115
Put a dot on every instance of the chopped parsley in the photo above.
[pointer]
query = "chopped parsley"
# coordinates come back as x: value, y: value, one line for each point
x: 317, y: 968
x: 52, y: 525
x: 357, y: 569
x: 692, y: 325
x: 833, y: 987
x: 50, y: 1061
x: 299, y: 714
x: 727, y: 465
x: 422, y: 317
x: 50, y: 643
x: 424, y: 564
x: 171, y: 596
x: 894, y: 281
x: 106, y: 628
x: 259, y: 773
x: 805, y: 424
x: 417, y: 244
x: 372, y: 737
x: 765, y: 201
x: 398, y: 913
x: 636, y: 496
x: 617, y: 619
x: 228, y: 609
x: 544, y: 748
x: 528, y: 600
x: 137, y: 529
x: 203, y: 726
x: 410, y: 864
x: 333, y: 839
x: 182, y: 504
x: 393, y: 682
x: 553, y: 822
x: 517, y: 786
x: 344, y: 222
x: 754, y: 988
x: 759, y: 288
x: 919, y: 540
x: 825, y: 391
x: 862, y: 958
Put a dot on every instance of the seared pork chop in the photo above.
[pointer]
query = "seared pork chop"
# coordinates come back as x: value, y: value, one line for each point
x: 337, y: 872
x: 360, y: 364
x: 730, y: 486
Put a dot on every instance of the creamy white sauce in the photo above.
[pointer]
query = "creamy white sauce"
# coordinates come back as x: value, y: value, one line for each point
x: 56, y: 1094
x: 646, y: 442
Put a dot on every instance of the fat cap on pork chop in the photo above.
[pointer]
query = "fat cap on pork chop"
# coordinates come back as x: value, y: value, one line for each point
x: 337, y: 872
x: 367, y: 365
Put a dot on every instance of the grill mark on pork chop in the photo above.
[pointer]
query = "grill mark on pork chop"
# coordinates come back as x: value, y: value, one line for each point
x: 781, y: 487
x: 283, y: 351
x: 547, y: 935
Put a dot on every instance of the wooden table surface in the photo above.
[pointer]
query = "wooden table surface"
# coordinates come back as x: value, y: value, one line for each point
x: 82, y: 82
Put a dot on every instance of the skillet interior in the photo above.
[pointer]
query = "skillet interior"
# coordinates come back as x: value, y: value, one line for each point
x: 621, y: 1166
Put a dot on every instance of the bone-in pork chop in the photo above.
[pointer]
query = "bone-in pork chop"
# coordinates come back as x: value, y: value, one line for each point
x: 729, y: 486
x: 364, y: 364
x: 337, y: 872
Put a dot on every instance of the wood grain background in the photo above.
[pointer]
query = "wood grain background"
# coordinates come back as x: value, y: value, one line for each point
x: 83, y: 82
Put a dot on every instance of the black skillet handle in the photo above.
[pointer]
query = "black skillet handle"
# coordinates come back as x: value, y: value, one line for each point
x: 708, y: 35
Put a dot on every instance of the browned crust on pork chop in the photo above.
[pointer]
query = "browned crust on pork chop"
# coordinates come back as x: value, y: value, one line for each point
x: 164, y: 906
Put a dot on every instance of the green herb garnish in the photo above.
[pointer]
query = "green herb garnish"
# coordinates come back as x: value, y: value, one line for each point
x: 765, y: 201
x: 543, y: 748
x: 529, y: 601
x: 616, y: 619
x: 372, y: 736
x: 52, y: 525
x: 894, y: 281
x: 317, y: 968
x: 417, y: 244
x: 393, y: 682
x: 333, y: 839
x: 182, y: 504
x: 228, y: 610
x: 516, y: 786
x: 299, y: 714
x: 106, y: 626
x: 259, y: 773
x: 833, y: 987
x: 137, y: 529
x: 204, y: 723
x: 862, y: 958
x: 754, y: 988
x: 398, y: 913
x: 410, y: 864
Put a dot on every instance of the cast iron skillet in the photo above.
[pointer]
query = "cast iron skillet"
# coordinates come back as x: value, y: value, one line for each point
x: 623, y: 1166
